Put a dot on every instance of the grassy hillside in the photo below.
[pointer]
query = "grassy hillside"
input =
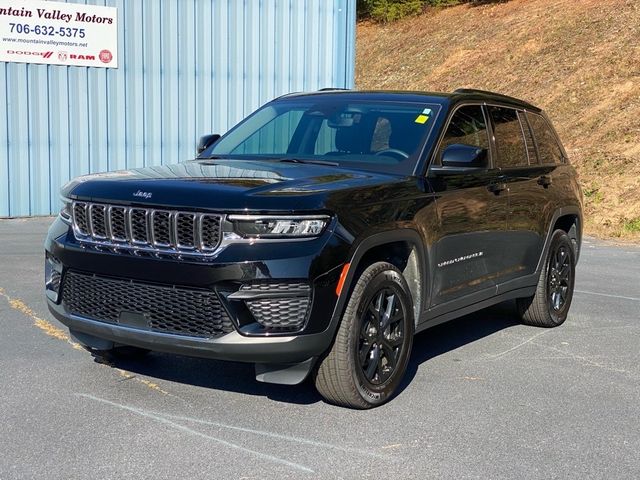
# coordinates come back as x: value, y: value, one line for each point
x: 577, y: 59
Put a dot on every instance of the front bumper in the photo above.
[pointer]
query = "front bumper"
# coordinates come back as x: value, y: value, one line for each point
x: 317, y: 262
x: 232, y: 346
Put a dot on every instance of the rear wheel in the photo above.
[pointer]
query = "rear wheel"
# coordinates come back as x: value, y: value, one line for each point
x: 369, y: 357
x: 550, y: 304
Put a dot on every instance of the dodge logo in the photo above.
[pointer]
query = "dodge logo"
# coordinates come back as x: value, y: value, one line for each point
x: 26, y: 52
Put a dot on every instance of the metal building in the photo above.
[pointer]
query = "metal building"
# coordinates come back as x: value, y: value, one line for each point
x: 186, y: 68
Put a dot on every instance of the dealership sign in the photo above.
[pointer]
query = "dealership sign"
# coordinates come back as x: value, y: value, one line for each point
x: 55, y: 33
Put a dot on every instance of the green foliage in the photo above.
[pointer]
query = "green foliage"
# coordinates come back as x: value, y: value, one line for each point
x: 385, y: 11
x: 389, y: 10
x: 443, y: 3
x: 593, y: 193
x: 632, y: 226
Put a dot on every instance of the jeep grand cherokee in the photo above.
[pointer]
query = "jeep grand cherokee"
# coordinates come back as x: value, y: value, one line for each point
x: 319, y: 234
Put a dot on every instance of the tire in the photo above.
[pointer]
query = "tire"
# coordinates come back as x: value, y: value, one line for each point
x: 549, y: 306
x: 366, y: 363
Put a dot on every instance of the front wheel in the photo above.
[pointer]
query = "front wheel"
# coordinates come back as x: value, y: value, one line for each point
x: 550, y: 304
x: 371, y: 351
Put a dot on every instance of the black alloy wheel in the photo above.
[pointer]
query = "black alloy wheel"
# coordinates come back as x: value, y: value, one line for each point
x: 549, y: 306
x: 381, y: 337
x: 369, y: 357
x: 559, y: 278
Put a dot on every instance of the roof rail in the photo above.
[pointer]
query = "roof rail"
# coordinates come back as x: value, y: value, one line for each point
x: 325, y: 89
x: 493, y: 94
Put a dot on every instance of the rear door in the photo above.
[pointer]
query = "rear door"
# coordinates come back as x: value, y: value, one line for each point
x: 556, y: 178
x: 528, y: 195
x: 472, y: 217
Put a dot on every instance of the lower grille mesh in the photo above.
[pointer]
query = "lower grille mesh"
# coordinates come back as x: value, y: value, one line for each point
x: 285, y: 313
x: 165, y: 309
x: 278, y: 310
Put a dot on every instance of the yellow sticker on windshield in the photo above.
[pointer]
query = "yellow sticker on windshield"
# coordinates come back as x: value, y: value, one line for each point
x: 424, y: 116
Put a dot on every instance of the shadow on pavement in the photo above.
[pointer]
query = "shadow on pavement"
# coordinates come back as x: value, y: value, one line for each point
x: 456, y: 333
x: 215, y: 374
x: 239, y: 377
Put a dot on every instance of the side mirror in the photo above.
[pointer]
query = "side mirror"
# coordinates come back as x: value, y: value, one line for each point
x: 206, y: 141
x: 459, y: 159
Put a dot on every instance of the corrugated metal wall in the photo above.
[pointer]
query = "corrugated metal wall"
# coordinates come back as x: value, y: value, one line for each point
x: 187, y: 67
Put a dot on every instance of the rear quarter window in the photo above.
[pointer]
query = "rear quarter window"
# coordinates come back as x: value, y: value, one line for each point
x: 549, y: 150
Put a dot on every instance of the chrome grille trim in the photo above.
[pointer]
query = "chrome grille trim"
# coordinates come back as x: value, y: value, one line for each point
x: 117, y: 223
x: 186, y: 226
x: 147, y: 229
x: 79, y: 216
x: 161, y: 219
x: 138, y: 226
x: 97, y: 221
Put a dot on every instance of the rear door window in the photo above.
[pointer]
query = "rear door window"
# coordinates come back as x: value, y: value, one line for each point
x: 510, y: 144
x: 549, y: 150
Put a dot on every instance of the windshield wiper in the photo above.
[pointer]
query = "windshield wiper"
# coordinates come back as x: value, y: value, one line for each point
x: 312, y: 162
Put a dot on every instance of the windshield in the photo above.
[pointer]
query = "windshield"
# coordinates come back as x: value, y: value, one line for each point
x: 380, y: 136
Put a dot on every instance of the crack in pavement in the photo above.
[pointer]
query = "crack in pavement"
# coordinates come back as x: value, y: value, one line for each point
x: 568, y: 355
x: 635, y: 299
x: 185, y: 429
x: 279, y: 436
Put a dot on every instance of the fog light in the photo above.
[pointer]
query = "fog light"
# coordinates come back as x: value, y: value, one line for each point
x: 52, y: 277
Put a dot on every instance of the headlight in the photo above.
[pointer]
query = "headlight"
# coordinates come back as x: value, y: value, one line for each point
x: 267, y: 226
x: 65, y: 212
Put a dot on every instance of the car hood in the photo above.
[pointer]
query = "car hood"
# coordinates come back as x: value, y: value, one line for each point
x: 229, y: 185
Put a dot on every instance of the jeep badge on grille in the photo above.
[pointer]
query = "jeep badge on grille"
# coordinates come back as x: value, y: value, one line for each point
x: 142, y: 194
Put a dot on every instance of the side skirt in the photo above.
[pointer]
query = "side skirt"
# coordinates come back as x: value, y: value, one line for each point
x: 427, y: 321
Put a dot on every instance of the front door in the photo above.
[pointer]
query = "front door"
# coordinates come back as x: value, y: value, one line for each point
x: 468, y: 240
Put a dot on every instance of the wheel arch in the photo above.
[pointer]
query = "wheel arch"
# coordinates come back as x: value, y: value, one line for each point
x: 572, y: 224
x: 402, y: 248
x: 568, y: 219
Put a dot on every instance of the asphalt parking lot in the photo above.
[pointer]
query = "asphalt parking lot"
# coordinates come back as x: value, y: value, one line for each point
x: 484, y: 398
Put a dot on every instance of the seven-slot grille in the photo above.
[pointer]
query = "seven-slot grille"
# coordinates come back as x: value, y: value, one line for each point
x: 146, y: 228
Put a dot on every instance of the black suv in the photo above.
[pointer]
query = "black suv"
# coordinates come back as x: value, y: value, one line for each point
x: 320, y: 233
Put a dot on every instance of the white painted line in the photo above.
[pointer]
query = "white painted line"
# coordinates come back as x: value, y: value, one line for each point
x: 608, y: 295
x: 279, y: 436
x: 520, y: 344
x: 177, y: 426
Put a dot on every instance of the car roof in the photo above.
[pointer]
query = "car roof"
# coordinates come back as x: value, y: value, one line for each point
x: 458, y: 96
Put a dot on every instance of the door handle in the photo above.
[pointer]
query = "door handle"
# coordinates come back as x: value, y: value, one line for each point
x: 545, y: 180
x: 497, y: 187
